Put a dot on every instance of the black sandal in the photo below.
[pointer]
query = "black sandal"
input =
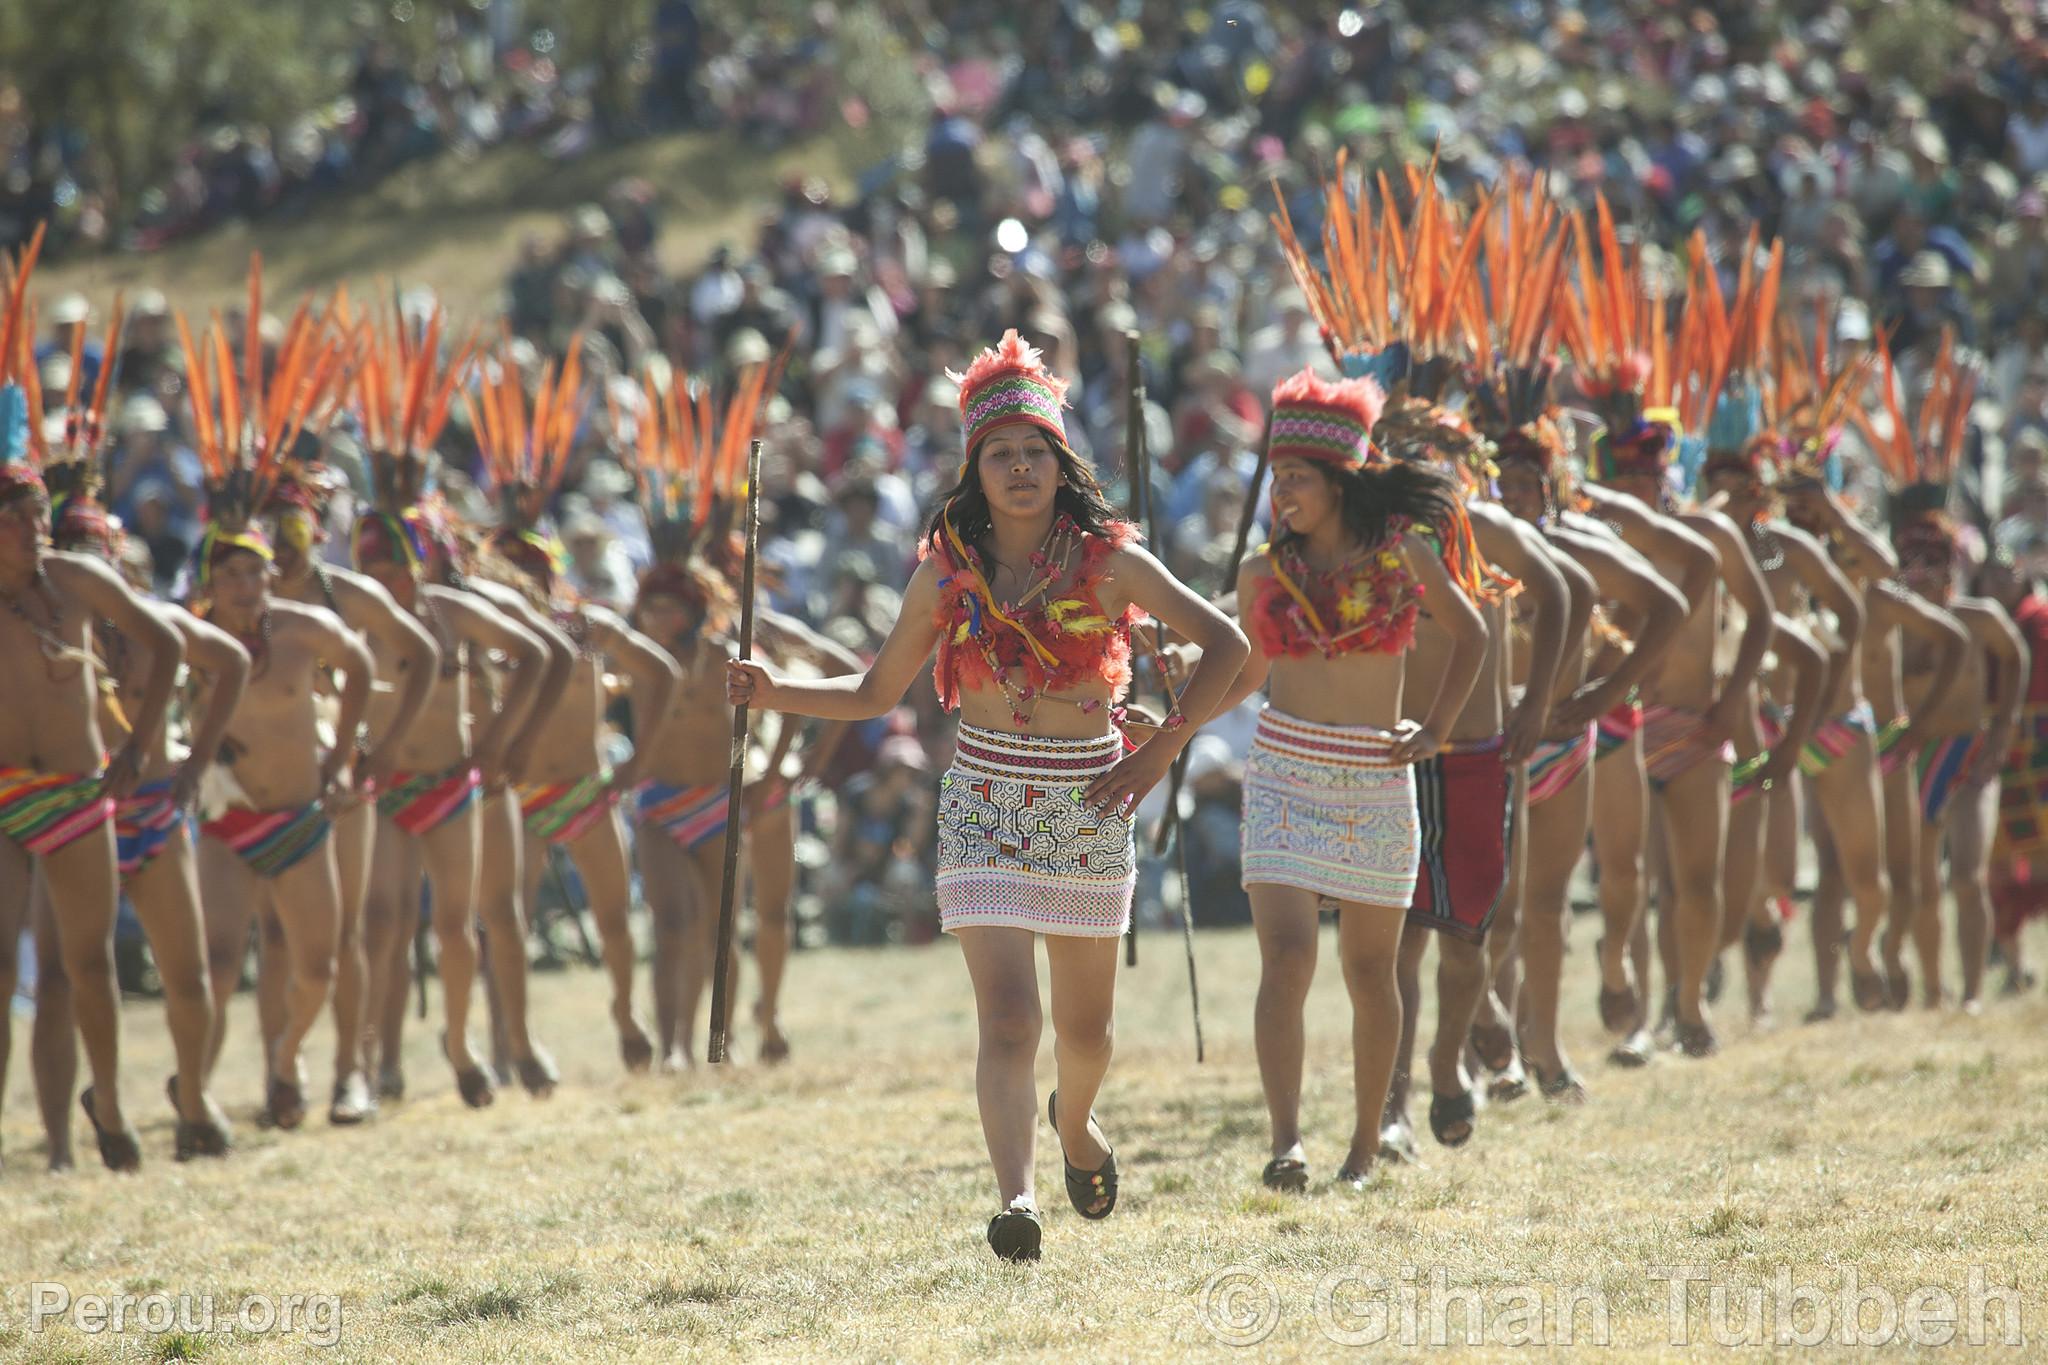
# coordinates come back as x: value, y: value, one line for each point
x: 1451, y: 1118
x: 538, y: 1074
x: 120, y: 1151
x: 1565, y: 1087
x: 1015, y: 1233
x: 1697, y: 1040
x: 1397, y: 1142
x: 1287, y: 1174
x: 1357, y: 1180
x: 1085, y: 1189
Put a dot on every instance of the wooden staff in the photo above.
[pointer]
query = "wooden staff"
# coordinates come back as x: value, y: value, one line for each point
x: 1135, y: 473
x: 721, y: 1006
x: 1139, y: 456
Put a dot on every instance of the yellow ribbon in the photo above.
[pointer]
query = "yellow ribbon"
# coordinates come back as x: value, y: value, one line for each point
x: 988, y: 597
x: 1314, y: 617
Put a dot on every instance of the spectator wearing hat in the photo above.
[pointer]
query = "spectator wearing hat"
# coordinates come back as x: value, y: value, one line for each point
x: 1911, y: 234
x: 2017, y: 274
x: 1286, y: 346
x: 1929, y: 302
x: 146, y: 452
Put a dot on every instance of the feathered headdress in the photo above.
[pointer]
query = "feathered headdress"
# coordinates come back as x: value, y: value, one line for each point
x: 1514, y: 319
x: 1727, y: 348
x: 526, y: 450
x: 1387, y: 293
x: 691, y: 458
x: 1812, y: 395
x: 403, y: 382
x: 21, y: 441
x: 1920, y: 459
x: 243, y: 421
x: 1008, y: 382
x: 1616, y: 327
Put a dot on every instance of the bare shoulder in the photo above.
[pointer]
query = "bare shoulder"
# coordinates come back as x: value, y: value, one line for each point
x: 301, y: 617
x: 75, y: 573
x: 352, y: 587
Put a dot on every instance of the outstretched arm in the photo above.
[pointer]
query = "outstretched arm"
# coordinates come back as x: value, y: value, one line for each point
x: 857, y: 696
x: 217, y: 654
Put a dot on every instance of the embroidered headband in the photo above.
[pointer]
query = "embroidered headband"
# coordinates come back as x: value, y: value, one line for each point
x: 1009, y: 383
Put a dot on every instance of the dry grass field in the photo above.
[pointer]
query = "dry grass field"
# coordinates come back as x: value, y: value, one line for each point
x: 833, y: 1208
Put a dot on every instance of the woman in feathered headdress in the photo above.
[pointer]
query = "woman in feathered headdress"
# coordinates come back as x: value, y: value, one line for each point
x: 58, y: 787
x: 1028, y: 590
x: 567, y: 795
x: 1330, y: 799
x: 402, y: 382
x: 1964, y: 739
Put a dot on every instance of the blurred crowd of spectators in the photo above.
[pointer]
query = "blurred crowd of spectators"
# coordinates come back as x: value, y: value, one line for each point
x: 1093, y: 168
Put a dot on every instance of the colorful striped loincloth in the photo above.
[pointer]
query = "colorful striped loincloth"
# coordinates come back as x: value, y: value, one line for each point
x: 272, y: 841
x: 420, y: 803
x: 1672, y: 746
x: 144, y: 823
x: 1617, y: 728
x: 1327, y: 810
x: 1837, y: 736
x: 692, y: 816
x: 1940, y: 768
x: 1557, y: 762
x: 563, y: 812
x: 1017, y: 846
x: 1464, y: 799
x: 1891, y: 757
x: 45, y: 811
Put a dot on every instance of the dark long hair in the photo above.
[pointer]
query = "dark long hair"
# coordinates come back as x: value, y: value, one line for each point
x: 1079, y: 496
x: 1370, y: 497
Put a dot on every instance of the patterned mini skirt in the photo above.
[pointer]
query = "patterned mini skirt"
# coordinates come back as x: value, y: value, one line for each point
x: 1017, y: 847
x: 1326, y: 810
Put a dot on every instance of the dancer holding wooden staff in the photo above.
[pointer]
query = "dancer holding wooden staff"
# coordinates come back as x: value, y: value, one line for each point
x: 1028, y: 590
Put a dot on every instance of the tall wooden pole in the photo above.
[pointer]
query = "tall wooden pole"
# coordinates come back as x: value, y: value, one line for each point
x: 721, y: 1003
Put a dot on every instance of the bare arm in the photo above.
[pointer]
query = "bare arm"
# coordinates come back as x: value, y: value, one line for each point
x: 1914, y: 615
x: 1631, y: 581
x: 788, y: 637
x: 1467, y: 630
x: 1141, y: 580
x: 1745, y: 583
x: 484, y: 627
x: 1993, y: 631
x: 1870, y: 559
x: 1810, y: 666
x: 856, y: 696
x: 1520, y: 551
x: 559, y: 665
x: 368, y: 608
x: 339, y: 647
x: 102, y: 590
x: 1251, y: 676
x: 1830, y: 589
x: 654, y: 676
x: 217, y: 654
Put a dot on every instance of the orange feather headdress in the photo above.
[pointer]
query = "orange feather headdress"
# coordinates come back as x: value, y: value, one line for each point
x: 1920, y: 458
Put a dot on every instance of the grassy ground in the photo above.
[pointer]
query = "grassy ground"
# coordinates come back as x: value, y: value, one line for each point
x: 836, y: 1205
x: 455, y: 224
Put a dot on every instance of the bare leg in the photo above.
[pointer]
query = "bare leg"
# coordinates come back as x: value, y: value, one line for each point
x: 707, y: 864
x: 273, y: 981
x: 355, y: 831
x: 771, y: 857
x: 1620, y: 840
x: 1285, y: 919
x: 165, y: 894
x: 1368, y: 942
x: 16, y: 869
x: 1557, y: 836
x: 1415, y: 942
x: 450, y: 854
x: 1695, y: 808
x: 1927, y: 915
x: 229, y: 897
x: 500, y: 881
x: 1902, y: 833
x: 601, y: 862
x: 83, y: 896
x: 53, y: 1040
x: 1972, y: 818
x: 1830, y: 896
x: 668, y: 880
x: 1004, y: 968
x: 391, y: 909
x: 307, y: 901
x: 1081, y: 978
